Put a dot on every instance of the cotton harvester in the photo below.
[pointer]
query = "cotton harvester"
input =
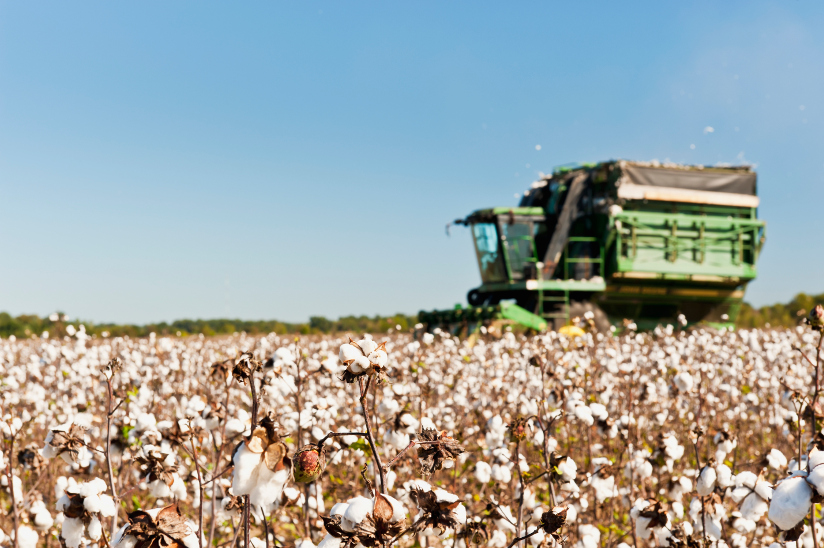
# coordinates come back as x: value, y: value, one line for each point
x: 649, y: 242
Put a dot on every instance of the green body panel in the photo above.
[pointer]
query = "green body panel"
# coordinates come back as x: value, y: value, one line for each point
x: 471, y: 318
x: 512, y: 311
x: 689, y: 245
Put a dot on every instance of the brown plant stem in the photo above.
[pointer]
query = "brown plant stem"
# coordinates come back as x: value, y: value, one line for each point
x: 519, y: 517
x: 109, y: 413
x: 519, y: 539
x: 364, y: 407
x: 10, y: 478
x: 200, y: 494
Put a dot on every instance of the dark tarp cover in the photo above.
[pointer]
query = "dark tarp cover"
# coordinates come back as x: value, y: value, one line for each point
x: 736, y: 182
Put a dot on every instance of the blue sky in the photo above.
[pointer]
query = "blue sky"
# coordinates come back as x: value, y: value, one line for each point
x: 161, y: 160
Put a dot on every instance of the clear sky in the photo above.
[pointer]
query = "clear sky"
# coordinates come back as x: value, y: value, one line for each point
x: 161, y: 160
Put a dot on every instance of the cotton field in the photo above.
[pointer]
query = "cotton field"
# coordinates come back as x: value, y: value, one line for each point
x: 669, y: 438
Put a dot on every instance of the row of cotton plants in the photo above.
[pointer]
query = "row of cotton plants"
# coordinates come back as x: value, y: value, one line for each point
x: 677, y: 437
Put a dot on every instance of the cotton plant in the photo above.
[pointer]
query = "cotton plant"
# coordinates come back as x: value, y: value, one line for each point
x: 69, y: 442
x: 792, y: 496
x: 364, y: 521
x: 261, y: 465
x: 157, y: 527
x: 161, y: 470
x: 713, y: 476
x: 82, y: 505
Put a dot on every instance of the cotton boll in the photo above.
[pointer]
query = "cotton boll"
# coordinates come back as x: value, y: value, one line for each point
x: 483, y: 472
x: 604, y: 487
x: 92, y: 504
x: 754, y: 507
x: 244, y: 476
x: 159, y: 489
x: 497, y: 539
x: 684, y: 382
x: 27, y: 537
x: 355, y: 513
x: 339, y: 509
x: 790, y: 502
x: 501, y: 473
x: 178, y: 489
x: 590, y: 536
x: 330, y: 542
x: 270, y: 486
x: 505, y: 523
x: 723, y: 476
x: 305, y: 543
x: 107, y: 507
x: 398, y: 509
x: 706, y: 481
x: 95, y: 529
x: 72, y: 532
x: 396, y: 439
x: 43, y: 520
x: 776, y: 459
x: 538, y: 538
x: 568, y: 469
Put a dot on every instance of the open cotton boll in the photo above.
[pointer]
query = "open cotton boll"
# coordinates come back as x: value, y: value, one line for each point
x: 339, y: 509
x: 43, y: 519
x: 684, y: 382
x: 72, y: 532
x: 706, y: 481
x: 483, y: 472
x: 589, y: 535
x: 754, y: 507
x: 244, y: 476
x: 501, y: 473
x: 568, y: 469
x: 269, y: 487
x: 604, y: 487
x: 398, y: 509
x: 95, y: 529
x: 505, y: 523
x: 497, y: 540
x: 358, y: 508
x: 790, y: 502
x: 427, y: 424
x: 538, y: 538
x: 776, y: 459
x: 27, y: 537
x: 330, y: 542
x: 178, y: 489
x: 723, y: 476
x: 396, y: 439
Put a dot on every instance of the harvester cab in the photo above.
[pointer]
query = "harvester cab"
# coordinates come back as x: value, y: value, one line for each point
x: 623, y: 240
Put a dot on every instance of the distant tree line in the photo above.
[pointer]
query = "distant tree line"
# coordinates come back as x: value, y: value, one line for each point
x: 779, y: 315
x: 30, y: 325
x: 27, y: 325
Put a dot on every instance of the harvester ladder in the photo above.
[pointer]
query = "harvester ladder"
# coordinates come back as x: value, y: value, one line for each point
x: 559, y: 305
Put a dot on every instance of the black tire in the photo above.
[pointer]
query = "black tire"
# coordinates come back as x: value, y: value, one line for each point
x: 579, y: 308
x: 475, y: 298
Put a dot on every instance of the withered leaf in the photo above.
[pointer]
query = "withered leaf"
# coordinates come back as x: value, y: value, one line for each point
x: 171, y: 522
x: 273, y: 456
x: 383, y: 510
x: 259, y: 440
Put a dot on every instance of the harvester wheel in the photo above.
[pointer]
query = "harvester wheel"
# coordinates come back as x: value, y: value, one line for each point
x: 579, y: 308
x: 474, y: 298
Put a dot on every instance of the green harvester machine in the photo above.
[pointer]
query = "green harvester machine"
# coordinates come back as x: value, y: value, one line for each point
x: 643, y: 241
